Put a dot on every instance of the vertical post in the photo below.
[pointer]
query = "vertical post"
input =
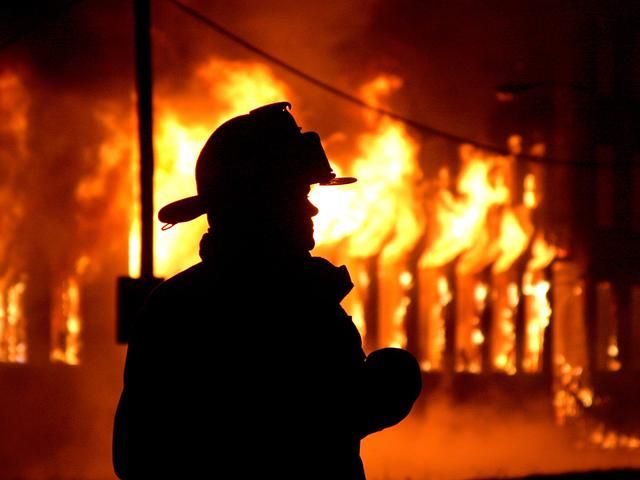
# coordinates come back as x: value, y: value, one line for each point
x: 486, y: 322
x: 142, y: 17
x: 412, y: 320
x: 521, y: 313
x: 451, y: 316
x: 625, y: 139
x: 132, y: 292
x: 371, y: 303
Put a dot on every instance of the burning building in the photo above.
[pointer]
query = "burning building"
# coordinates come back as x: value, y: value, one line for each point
x: 512, y: 275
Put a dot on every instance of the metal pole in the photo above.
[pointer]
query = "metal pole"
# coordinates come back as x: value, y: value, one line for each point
x: 142, y: 17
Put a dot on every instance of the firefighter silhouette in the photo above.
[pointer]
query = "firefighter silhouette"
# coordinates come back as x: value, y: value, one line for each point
x: 245, y: 365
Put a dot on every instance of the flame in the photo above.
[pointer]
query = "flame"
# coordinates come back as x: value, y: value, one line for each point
x: 13, y: 346
x: 529, y: 198
x: 535, y: 287
x: 435, y: 323
x: 460, y: 219
x: 478, y: 226
x: 66, y: 324
x: 379, y: 214
x: 384, y: 215
x: 513, y: 240
x: 542, y: 254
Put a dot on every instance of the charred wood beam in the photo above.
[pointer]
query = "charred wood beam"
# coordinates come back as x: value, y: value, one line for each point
x: 450, y: 315
x: 412, y: 321
x: 486, y: 323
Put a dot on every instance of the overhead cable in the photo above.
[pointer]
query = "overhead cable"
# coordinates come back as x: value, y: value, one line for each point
x: 426, y: 129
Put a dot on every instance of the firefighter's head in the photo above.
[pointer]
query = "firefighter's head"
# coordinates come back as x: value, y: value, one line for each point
x: 254, y: 174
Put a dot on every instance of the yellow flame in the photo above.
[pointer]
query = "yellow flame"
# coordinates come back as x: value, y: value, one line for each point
x: 530, y: 198
x: 535, y: 287
x: 381, y: 214
x: 13, y: 347
x: 379, y: 210
x: 542, y: 253
x: 460, y: 219
x: 512, y: 242
x: 477, y: 337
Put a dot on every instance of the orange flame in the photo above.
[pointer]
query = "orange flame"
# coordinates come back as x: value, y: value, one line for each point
x: 535, y: 288
x: 460, y: 219
x: 379, y: 214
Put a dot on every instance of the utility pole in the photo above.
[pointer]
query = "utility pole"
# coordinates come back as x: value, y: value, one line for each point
x: 142, y: 17
x: 132, y: 292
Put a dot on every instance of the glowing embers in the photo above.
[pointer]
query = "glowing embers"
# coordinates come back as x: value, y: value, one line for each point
x: 572, y: 393
x: 609, y: 439
x: 607, y: 313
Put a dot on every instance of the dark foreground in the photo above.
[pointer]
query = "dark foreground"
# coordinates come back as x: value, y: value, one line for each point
x: 632, y: 474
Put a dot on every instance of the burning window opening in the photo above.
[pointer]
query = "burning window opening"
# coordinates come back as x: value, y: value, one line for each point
x: 66, y: 317
x: 41, y: 291
x: 13, y: 341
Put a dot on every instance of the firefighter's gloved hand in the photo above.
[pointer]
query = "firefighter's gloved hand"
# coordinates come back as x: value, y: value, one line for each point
x: 393, y: 382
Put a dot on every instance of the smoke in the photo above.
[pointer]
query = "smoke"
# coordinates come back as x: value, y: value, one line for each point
x: 492, y: 433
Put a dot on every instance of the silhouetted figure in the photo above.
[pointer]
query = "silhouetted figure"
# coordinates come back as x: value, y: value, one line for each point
x: 245, y: 365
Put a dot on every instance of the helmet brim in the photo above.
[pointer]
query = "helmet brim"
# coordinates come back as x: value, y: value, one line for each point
x: 190, y: 208
x: 183, y: 210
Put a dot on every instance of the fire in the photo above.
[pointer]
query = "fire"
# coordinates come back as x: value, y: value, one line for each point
x: 66, y: 317
x: 514, y: 239
x: 460, y: 218
x: 375, y: 225
x: 13, y: 346
x: 433, y: 305
x: 535, y: 287
x: 476, y: 226
x: 379, y: 214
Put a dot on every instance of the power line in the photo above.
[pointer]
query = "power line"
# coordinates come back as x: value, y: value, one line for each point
x: 427, y: 129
